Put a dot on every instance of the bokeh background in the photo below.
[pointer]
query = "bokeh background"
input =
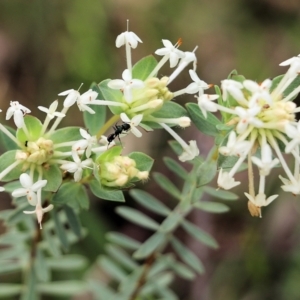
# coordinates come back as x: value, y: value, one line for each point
x: 48, y: 46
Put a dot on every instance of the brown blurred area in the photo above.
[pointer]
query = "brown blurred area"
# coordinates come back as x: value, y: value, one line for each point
x: 48, y: 46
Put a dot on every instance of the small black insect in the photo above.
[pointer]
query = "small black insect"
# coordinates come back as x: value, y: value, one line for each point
x: 119, y: 129
x: 26, y: 143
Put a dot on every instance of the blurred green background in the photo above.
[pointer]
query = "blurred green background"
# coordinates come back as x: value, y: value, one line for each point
x: 48, y: 46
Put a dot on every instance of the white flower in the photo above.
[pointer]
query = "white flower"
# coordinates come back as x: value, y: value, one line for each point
x: 86, y: 144
x: 226, y: 181
x: 189, y: 152
x: 126, y: 84
x: 18, y: 111
x: 196, y: 86
x: 2, y: 189
x: 248, y: 116
x: 205, y: 103
x: 266, y: 163
x: 294, y: 134
x: 294, y: 63
x: 77, y: 166
x: 39, y: 211
x: 259, y: 91
x: 128, y: 37
x: 134, y: 122
x: 82, y: 100
x: 288, y: 186
x: 260, y: 200
x: 51, y: 112
x: 235, y: 147
x: 233, y: 88
x: 29, y: 188
x: 171, y: 51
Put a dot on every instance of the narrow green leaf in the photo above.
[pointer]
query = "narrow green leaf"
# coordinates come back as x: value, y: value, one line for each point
x: 111, y: 268
x: 105, y: 194
x: 187, y: 255
x: 206, y: 172
x: 183, y: 271
x: 137, y: 217
x: 142, y: 69
x: 175, y: 147
x: 63, y: 288
x: 9, y: 290
x: 150, y: 202
x: 121, y: 256
x: 171, y: 222
x: 123, y: 240
x: 68, y: 262
x: 224, y: 195
x: 212, y: 207
x: 167, y: 185
x: 52, y: 247
x: 101, y: 290
x: 40, y: 266
x: 60, y: 230
x: 199, y: 234
x: 150, y: 245
x: 128, y: 284
x: 17, y: 214
x: 10, y: 267
x: 205, y: 125
x: 73, y: 220
x: 167, y: 294
x: 174, y: 166
x: 161, y: 264
x: 93, y: 122
x: 29, y: 291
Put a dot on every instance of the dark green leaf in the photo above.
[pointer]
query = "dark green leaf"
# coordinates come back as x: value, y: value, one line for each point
x: 60, y: 230
x: 93, y: 122
x: 73, y: 220
x: 6, y: 141
x: 205, y: 125
x: 105, y: 194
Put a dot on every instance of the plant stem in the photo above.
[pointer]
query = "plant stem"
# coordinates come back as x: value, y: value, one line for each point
x: 107, y: 125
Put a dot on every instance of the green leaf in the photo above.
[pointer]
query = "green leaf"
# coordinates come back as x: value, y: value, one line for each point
x: 93, y: 122
x: 142, y: 69
x: 9, y: 290
x: 63, y: 288
x: 53, y: 175
x: 102, y: 289
x: 29, y: 289
x: 205, y: 125
x: 73, y: 220
x: 6, y: 160
x: 212, y: 207
x: 167, y: 185
x: 220, y: 194
x: 182, y: 271
x: 206, y: 172
x: 174, y: 166
x: 143, y: 161
x: 150, y: 245
x: 187, y: 255
x: 171, y: 222
x: 128, y: 285
x: 199, y: 234
x: 175, y: 147
x: 65, y: 135
x: 169, y: 110
x: 10, y: 267
x: 227, y: 162
x: 34, y: 127
x: 137, y: 217
x: 111, y: 268
x: 68, y: 262
x: 150, y: 202
x: 111, y: 95
x: 40, y: 266
x: 123, y: 240
x: 60, y: 230
x: 7, y: 142
x: 121, y: 256
x: 17, y: 214
x: 73, y: 194
x: 52, y: 246
x: 167, y: 294
x: 105, y: 194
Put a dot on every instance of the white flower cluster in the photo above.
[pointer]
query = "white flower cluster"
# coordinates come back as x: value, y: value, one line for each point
x: 263, y: 117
